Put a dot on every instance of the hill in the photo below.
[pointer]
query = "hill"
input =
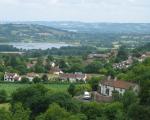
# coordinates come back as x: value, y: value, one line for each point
x: 32, y: 33
x: 81, y: 27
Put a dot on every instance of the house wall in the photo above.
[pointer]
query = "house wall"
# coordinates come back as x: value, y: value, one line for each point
x: 103, y: 89
x: 10, y: 78
x: 30, y: 78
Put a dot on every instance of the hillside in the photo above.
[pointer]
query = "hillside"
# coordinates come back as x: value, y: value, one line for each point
x: 81, y: 27
x: 96, y: 34
x: 31, y: 33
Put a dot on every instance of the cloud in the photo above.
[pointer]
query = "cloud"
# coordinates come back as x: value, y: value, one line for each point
x: 81, y: 10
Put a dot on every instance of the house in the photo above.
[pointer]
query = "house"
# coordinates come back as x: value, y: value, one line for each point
x: 30, y: 65
x: 77, y: 77
x: 11, y: 77
x: 100, y: 56
x: 107, y: 87
x: 56, y: 70
x: 31, y: 76
x: 52, y: 64
x: 124, y: 64
x: 144, y: 56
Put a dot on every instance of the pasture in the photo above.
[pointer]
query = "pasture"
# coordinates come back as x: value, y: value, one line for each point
x: 11, y: 87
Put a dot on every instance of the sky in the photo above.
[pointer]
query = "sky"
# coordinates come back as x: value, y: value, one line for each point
x: 76, y: 10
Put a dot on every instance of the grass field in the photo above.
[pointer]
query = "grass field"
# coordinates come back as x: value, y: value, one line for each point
x: 11, y: 87
x: 5, y: 106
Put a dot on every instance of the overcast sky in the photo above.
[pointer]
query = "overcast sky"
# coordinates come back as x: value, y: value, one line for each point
x: 75, y: 10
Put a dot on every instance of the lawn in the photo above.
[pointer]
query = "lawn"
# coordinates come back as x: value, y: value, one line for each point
x: 11, y: 87
x: 5, y: 106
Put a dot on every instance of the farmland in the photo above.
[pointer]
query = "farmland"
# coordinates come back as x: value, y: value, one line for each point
x: 11, y: 87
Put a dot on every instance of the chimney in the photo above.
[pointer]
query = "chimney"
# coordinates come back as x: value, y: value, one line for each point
x: 109, y: 77
x: 115, y: 79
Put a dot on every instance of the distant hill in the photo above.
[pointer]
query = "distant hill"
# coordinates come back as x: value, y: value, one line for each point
x: 32, y: 33
x: 97, y: 34
x: 81, y: 27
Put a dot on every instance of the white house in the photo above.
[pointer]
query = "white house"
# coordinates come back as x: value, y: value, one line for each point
x: 56, y: 71
x: 31, y: 76
x: 107, y: 87
x: 11, y: 77
x: 124, y: 64
x: 76, y: 77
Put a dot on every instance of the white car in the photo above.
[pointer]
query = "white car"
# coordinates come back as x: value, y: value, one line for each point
x: 87, y: 96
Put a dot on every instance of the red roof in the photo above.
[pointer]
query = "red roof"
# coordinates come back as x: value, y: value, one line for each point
x: 55, y: 69
x: 118, y: 84
x: 75, y: 76
x: 32, y: 74
x: 10, y: 74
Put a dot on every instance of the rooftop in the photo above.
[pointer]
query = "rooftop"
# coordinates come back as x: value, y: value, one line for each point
x: 118, y: 84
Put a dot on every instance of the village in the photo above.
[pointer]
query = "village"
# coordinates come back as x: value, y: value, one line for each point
x: 106, y: 86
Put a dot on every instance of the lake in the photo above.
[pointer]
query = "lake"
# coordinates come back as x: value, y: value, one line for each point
x: 42, y: 46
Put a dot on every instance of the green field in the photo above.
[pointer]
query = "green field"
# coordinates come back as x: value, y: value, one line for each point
x: 11, y: 87
x: 5, y: 106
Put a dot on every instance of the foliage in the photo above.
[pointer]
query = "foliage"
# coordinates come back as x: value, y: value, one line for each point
x: 94, y: 67
x: 71, y: 89
x: 5, y: 115
x: 24, y: 80
x: 138, y: 112
x: 19, y: 113
x: 128, y: 99
x: 94, y: 82
x: 145, y: 93
x: 122, y: 54
x: 65, y: 101
x: 37, y: 80
x: 3, y: 96
x: 55, y: 112
x: 33, y: 97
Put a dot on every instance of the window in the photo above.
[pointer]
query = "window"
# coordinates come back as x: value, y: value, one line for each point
x: 107, y: 91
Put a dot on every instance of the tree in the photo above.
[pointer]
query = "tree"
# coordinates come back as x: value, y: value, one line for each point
x: 22, y: 69
x: 45, y: 78
x: 138, y: 112
x: 64, y: 100
x: 3, y: 96
x: 19, y: 113
x: 36, y: 80
x: 76, y: 67
x: 5, y: 115
x: 33, y: 97
x: 145, y: 93
x: 93, y: 67
x: 94, y: 82
x: 103, y: 71
x: 1, y: 76
x: 128, y: 99
x: 24, y: 80
x: 114, y: 111
x: 39, y: 68
x: 71, y: 89
x: 93, y: 110
x: 55, y: 112
x: 122, y: 54
x: 50, y: 58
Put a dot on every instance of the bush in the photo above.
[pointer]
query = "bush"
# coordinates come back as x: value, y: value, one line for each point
x: 71, y: 89
x: 25, y: 80
x: 3, y: 96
